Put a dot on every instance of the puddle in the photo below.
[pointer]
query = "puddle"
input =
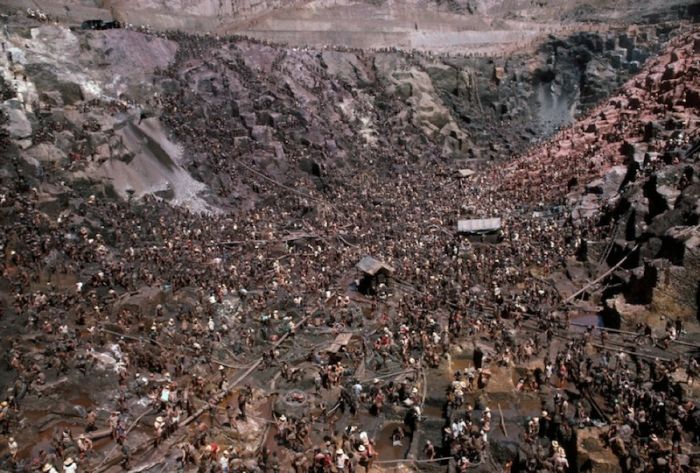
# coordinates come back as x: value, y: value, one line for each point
x: 580, y: 322
x: 385, y: 448
x: 430, y: 410
x: 460, y: 364
x: 83, y: 401
x: 42, y: 440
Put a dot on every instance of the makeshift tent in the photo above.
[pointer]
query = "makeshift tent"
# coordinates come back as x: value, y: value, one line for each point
x: 374, y: 273
x: 479, y: 225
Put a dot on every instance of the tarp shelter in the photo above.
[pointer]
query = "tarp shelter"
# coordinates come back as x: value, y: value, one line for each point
x: 464, y: 173
x: 99, y: 25
x: 372, y: 266
x: 479, y: 226
x: 297, y: 236
x: 340, y: 341
x: 374, y: 273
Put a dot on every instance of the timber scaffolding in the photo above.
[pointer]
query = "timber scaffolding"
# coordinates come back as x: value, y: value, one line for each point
x: 562, y: 332
x: 108, y: 462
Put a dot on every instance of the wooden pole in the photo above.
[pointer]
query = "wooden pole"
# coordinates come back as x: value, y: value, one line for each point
x: 217, y: 398
x: 601, y: 277
x: 631, y: 353
x: 503, y: 424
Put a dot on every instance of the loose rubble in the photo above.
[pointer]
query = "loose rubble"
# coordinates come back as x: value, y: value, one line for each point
x: 221, y: 254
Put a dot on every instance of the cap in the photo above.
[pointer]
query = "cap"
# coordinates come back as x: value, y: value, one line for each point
x: 361, y: 448
x: 68, y: 461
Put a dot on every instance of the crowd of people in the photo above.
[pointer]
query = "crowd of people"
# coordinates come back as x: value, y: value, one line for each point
x: 164, y: 302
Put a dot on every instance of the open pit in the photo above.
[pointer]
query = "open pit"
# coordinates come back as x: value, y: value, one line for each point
x: 350, y: 236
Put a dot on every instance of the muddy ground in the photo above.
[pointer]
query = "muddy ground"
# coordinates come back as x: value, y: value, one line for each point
x: 152, y: 182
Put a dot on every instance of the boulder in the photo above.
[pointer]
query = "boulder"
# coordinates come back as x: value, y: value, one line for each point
x: 608, y: 185
x: 681, y: 245
x: 260, y: 133
x: 18, y: 126
x: 46, y: 79
x: 346, y: 66
x: 626, y: 41
x: 668, y: 194
x: 444, y: 77
x: 592, y: 454
x: 46, y: 152
x: 499, y: 73
x: 676, y: 290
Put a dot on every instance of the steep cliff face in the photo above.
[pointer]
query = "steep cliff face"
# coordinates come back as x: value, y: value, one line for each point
x: 207, y: 8
x: 429, y: 24
x: 286, y: 104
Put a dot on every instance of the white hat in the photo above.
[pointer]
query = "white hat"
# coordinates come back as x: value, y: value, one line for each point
x: 361, y: 448
x: 68, y: 461
x: 159, y: 419
x: 47, y: 467
x: 283, y: 418
x: 487, y: 409
x: 339, y: 451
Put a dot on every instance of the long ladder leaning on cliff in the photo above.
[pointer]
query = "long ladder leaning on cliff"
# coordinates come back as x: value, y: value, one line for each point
x: 145, y: 447
x: 601, y: 277
x: 475, y: 90
x: 611, y: 242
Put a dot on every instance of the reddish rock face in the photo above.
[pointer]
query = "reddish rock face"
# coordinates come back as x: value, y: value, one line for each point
x: 182, y: 216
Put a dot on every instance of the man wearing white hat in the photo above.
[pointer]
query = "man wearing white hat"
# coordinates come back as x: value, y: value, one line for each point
x: 363, y: 459
x: 159, y: 427
x: 223, y: 461
x: 341, y: 459
x: 48, y: 468
x: 69, y: 466
x: 13, y: 447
